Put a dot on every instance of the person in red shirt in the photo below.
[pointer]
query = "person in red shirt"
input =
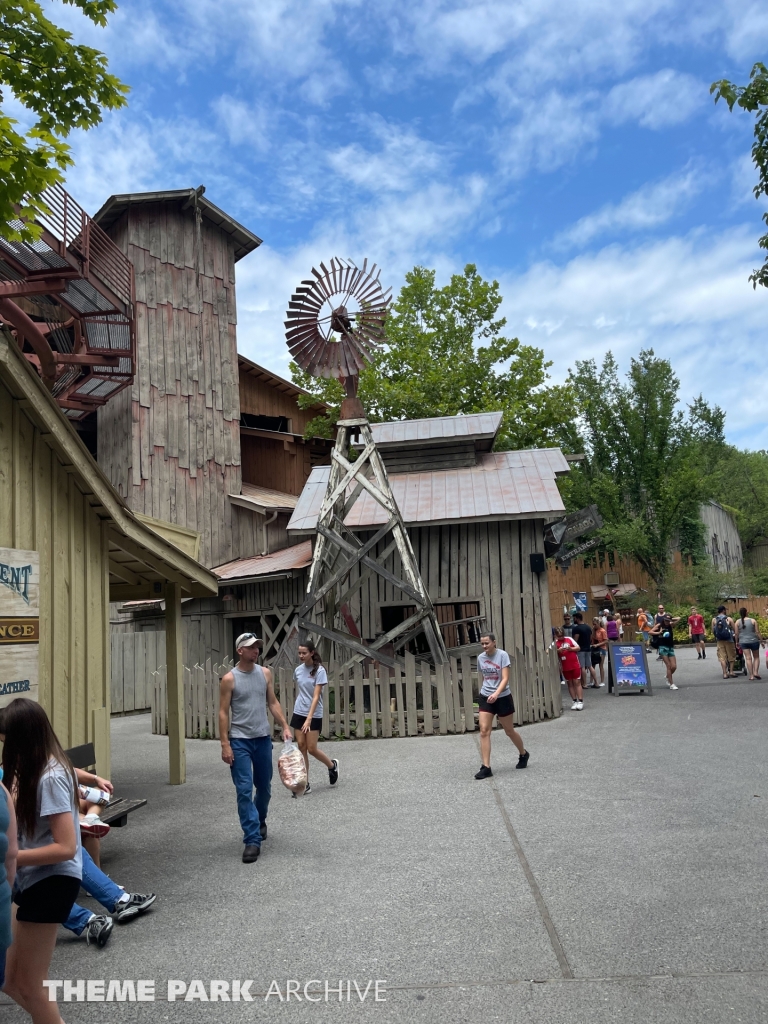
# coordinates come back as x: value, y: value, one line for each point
x: 696, y: 632
x: 570, y: 666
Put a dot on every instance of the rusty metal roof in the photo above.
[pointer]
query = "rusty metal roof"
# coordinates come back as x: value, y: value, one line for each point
x: 281, y: 563
x: 477, y: 426
x: 263, y: 499
x: 503, y: 485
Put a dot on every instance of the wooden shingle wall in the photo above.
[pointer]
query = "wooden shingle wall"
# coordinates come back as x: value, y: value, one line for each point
x: 170, y: 444
x: 260, y: 398
x: 43, y: 509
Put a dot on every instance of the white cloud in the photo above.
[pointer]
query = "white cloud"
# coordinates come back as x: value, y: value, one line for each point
x: 549, y: 133
x: 687, y: 298
x: 244, y: 123
x: 655, y: 101
x: 403, y: 159
x: 651, y: 205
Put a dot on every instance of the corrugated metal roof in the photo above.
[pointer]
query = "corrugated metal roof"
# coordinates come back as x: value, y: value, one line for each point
x: 503, y: 485
x: 298, y: 556
x: 262, y: 498
x: 437, y: 428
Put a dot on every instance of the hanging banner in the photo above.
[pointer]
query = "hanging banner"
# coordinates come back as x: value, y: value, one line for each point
x: 19, y: 624
x: 580, y: 600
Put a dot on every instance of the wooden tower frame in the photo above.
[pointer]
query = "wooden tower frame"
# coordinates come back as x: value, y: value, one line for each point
x: 339, y: 555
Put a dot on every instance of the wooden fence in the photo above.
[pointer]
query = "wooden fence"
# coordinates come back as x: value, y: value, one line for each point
x: 368, y: 701
x: 135, y: 656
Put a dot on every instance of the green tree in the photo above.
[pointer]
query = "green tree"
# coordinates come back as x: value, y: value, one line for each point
x: 754, y: 99
x: 64, y: 86
x: 739, y: 481
x: 446, y: 355
x: 643, y: 459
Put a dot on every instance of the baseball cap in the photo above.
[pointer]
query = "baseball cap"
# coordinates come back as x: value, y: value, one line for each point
x: 246, y: 640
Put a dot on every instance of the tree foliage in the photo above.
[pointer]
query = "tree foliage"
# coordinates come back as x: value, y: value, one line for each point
x: 63, y: 85
x: 643, y: 466
x: 754, y: 99
x: 446, y: 355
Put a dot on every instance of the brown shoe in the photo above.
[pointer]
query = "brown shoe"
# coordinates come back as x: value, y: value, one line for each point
x: 251, y: 853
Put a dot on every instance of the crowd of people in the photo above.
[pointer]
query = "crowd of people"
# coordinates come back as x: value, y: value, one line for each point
x: 582, y: 649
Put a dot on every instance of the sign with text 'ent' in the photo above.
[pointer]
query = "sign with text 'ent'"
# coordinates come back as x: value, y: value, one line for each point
x: 19, y: 624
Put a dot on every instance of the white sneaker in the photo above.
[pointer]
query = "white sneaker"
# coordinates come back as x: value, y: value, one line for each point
x: 673, y: 687
x: 575, y: 706
x: 580, y: 705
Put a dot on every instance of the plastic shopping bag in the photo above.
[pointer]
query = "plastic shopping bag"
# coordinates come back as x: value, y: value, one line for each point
x: 293, y: 771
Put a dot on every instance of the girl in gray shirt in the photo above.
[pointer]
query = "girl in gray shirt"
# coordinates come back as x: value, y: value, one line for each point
x: 49, y: 864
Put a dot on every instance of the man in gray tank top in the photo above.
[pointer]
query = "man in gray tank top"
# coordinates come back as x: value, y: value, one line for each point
x: 246, y: 739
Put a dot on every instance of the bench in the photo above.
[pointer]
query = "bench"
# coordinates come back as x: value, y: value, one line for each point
x: 116, y: 814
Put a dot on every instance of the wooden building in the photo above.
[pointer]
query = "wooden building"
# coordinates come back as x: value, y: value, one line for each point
x: 66, y: 532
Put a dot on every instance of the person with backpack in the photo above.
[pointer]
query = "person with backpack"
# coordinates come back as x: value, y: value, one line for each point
x: 725, y: 633
x: 749, y: 640
x: 665, y: 632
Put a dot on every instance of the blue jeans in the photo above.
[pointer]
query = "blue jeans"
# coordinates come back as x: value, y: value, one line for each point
x: 252, y: 768
x: 98, y: 885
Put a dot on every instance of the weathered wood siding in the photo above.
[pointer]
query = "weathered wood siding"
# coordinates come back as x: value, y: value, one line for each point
x: 170, y: 444
x: 281, y: 465
x: 42, y: 508
x: 259, y: 398
x: 721, y: 537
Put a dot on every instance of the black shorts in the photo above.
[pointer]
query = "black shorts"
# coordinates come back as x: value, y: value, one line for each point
x: 697, y: 638
x: 750, y: 647
x: 48, y: 901
x: 297, y: 721
x: 502, y: 706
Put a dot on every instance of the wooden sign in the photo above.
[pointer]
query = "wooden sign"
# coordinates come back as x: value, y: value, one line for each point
x: 19, y: 624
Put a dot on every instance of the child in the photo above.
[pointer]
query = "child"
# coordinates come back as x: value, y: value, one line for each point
x: 44, y: 788
x: 307, y: 716
x: 568, y: 652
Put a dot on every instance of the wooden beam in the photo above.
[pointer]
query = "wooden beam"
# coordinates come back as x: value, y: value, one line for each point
x: 141, y: 554
x: 177, y: 756
x: 144, y: 592
x: 353, y: 643
x: 125, y: 574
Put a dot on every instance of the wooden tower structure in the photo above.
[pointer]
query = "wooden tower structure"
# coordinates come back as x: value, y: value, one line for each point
x: 335, y: 321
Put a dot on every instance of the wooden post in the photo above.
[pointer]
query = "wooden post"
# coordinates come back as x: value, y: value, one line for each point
x: 177, y: 753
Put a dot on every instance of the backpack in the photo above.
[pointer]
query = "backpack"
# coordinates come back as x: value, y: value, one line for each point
x: 722, y: 630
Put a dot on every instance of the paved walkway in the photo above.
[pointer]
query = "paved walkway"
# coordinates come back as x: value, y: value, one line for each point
x: 623, y: 876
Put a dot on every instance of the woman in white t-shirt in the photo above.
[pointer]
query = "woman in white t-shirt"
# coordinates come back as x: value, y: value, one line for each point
x: 49, y: 865
x: 307, y: 718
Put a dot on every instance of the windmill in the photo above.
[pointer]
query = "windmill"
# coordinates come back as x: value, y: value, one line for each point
x: 335, y: 322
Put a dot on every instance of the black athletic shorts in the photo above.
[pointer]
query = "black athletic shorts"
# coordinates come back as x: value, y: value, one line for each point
x: 48, y: 901
x: 697, y: 638
x: 502, y: 706
x: 297, y: 721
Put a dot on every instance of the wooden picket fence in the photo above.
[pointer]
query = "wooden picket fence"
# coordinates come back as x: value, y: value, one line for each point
x: 362, y: 701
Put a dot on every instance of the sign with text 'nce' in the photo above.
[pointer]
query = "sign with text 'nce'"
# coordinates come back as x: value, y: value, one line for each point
x: 19, y: 624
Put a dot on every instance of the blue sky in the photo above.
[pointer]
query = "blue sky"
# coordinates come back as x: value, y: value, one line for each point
x: 570, y: 149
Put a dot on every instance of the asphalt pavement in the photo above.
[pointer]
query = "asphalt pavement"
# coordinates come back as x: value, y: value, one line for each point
x: 621, y: 876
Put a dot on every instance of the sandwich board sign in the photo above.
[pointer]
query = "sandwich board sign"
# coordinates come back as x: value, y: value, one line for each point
x: 628, y: 668
x: 19, y: 624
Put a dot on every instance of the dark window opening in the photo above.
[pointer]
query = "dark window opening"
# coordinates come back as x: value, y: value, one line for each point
x: 460, y: 622
x: 87, y: 429
x: 277, y: 423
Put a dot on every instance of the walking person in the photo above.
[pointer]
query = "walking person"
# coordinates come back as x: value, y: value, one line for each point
x: 749, y: 640
x: 246, y: 740
x: 582, y: 634
x: 49, y: 864
x: 657, y: 620
x: 696, y: 632
x: 665, y: 632
x: 644, y: 627
x: 599, y: 649
x: 570, y: 667
x: 496, y: 699
x: 724, y: 631
x: 307, y: 717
